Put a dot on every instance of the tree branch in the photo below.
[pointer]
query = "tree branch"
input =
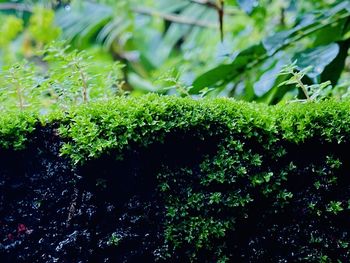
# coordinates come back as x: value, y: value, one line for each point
x: 219, y: 8
x: 15, y: 6
x: 144, y: 11
x: 174, y: 18
x: 228, y: 11
x: 207, y: 3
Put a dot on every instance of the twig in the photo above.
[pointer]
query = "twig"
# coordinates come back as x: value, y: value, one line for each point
x: 301, y: 85
x: 206, y: 3
x: 18, y: 90
x: 83, y: 82
x: 219, y: 6
x: 174, y: 18
x: 15, y: 6
x: 20, y: 98
x: 221, y: 12
x: 143, y: 11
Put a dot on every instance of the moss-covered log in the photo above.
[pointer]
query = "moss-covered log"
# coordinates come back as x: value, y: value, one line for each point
x: 176, y: 180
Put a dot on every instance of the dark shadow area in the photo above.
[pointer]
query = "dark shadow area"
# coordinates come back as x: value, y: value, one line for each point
x: 293, y: 233
x: 108, y: 210
x: 111, y: 210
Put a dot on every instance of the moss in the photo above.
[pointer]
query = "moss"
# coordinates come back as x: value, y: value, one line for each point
x: 96, y: 128
x: 269, y: 160
x: 15, y: 128
x: 100, y: 127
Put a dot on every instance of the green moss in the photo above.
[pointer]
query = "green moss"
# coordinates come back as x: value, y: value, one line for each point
x: 255, y: 158
x: 97, y: 128
x: 100, y: 127
x: 15, y: 128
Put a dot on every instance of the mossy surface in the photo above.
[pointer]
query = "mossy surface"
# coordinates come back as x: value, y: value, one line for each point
x: 230, y: 180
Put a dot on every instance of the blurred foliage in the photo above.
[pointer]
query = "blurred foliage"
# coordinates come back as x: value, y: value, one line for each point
x: 174, y: 47
x: 41, y: 26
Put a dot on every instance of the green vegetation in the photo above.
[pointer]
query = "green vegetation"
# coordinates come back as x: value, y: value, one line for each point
x: 98, y: 127
x: 253, y: 159
x: 163, y: 47
x: 272, y: 146
x: 15, y: 129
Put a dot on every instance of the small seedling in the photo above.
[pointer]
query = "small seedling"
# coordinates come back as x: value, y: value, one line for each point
x: 171, y: 80
x: 335, y: 207
x: 311, y: 92
x: 114, y: 240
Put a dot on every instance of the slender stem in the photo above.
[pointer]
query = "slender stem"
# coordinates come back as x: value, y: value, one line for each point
x: 18, y: 91
x: 221, y: 11
x: 182, y: 89
x: 84, y: 83
x: 301, y: 85
x: 85, y: 87
x: 19, y: 96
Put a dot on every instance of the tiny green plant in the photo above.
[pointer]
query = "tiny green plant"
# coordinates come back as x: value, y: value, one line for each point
x: 60, y: 77
x: 74, y: 64
x: 171, y: 80
x: 21, y: 90
x: 75, y: 77
x: 335, y: 207
x: 311, y: 92
x: 114, y: 240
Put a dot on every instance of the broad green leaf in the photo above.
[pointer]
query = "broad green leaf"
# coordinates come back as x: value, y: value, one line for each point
x: 318, y: 58
x: 248, y: 5
x: 176, y: 32
x: 284, y: 38
x: 252, y: 56
x: 333, y: 70
x: 230, y: 71
x: 268, y: 79
x: 332, y: 33
x: 211, y: 78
